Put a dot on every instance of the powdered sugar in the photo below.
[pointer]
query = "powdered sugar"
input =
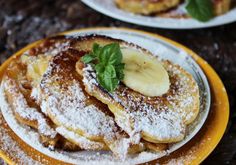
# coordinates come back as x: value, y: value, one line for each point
x: 22, y: 109
x: 59, y: 47
x: 69, y: 109
x: 31, y: 137
x: 11, y: 146
x: 50, y: 50
x: 65, y: 102
x: 78, y: 156
x: 80, y: 140
x: 165, y: 125
x: 161, y: 120
x: 35, y: 94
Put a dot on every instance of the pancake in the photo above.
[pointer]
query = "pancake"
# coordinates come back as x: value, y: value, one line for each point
x: 160, y: 119
x: 221, y: 6
x: 26, y: 112
x: 81, y: 141
x: 47, y: 81
x: 167, y: 8
x: 146, y: 7
x: 18, y: 84
x: 67, y: 105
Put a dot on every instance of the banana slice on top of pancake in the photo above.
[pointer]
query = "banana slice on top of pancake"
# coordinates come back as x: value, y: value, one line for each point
x: 144, y: 74
x: 161, y: 118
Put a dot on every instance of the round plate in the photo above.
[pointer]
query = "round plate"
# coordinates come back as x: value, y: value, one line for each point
x: 109, y: 8
x: 191, y: 152
x: 157, y: 47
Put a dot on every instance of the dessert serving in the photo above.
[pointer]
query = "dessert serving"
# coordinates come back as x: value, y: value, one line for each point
x: 98, y: 94
x: 202, y: 10
x: 169, y: 14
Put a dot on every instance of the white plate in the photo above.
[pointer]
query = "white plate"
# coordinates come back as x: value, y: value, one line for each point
x: 158, y: 47
x: 109, y: 8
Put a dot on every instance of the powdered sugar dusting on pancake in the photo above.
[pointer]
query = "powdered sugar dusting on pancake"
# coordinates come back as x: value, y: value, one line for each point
x: 159, y: 121
x: 83, y: 142
x: 161, y: 118
x: 26, y: 112
x: 65, y: 102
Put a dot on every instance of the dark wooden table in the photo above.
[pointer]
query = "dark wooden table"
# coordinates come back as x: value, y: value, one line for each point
x: 22, y: 22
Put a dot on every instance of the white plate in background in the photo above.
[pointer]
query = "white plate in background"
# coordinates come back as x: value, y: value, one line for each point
x: 108, y: 7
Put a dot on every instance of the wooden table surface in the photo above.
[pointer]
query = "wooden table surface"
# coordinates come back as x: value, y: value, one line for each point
x: 22, y: 22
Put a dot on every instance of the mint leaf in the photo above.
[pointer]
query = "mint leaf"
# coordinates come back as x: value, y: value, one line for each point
x: 113, y: 83
x: 88, y: 58
x: 100, y: 79
x: 100, y: 68
x: 115, y: 54
x: 201, y: 10
x: 108, y: 78
x: 119, y: 71
x: 96, y: 49
x: 111, y: 54
x: 107, y: 62
x: 108, y: 83
x: 110, y: 71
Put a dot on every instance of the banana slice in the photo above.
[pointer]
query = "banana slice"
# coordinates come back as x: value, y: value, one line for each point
x: 144, y: 73
x: 36, y: 66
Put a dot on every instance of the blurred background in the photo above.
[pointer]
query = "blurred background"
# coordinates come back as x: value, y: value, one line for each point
x: 22, y: 22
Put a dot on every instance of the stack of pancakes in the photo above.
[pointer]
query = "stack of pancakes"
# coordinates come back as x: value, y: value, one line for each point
x: 49, y: 89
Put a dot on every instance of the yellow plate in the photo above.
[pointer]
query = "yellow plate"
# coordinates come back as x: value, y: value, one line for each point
x: 194, y: 151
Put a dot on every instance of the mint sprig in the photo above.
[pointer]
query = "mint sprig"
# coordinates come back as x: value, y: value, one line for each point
x: 201, y: 10
x: 107, y: 62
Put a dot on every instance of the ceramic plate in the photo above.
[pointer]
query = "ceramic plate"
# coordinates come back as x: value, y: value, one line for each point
x: 165, y: 49
x: 109, y: 8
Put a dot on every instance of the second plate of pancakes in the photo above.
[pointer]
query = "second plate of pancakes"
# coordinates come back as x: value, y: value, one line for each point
x: 157, y: 46
x: 109, y: 7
